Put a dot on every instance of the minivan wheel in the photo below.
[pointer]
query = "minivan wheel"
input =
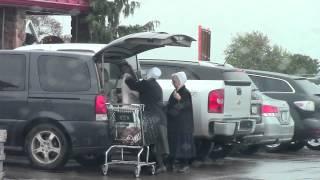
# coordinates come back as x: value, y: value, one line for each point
x: 90, y: 160
x: 47, y: 147
x: 313, y: 144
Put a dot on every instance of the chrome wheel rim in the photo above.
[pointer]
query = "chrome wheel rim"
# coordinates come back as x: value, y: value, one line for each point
x: 314, y: 142
x: 45, y: 147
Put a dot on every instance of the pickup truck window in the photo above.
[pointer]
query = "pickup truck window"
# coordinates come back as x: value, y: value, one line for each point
x: 167, y: 71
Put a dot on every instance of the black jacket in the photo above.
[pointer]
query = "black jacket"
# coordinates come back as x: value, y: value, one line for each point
x: 150, y: 94
x: 180, y: 113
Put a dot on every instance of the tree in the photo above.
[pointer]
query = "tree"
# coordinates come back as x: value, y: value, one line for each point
x: 45, y: 25
x: 253, y: 51
x: 104, y: 20
x: 301, y: 65
x: 249, y: 51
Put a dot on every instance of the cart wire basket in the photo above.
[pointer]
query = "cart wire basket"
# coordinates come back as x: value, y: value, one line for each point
x: 126, y: 123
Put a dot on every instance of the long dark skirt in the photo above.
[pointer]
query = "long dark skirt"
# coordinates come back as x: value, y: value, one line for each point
x: 181, y: 145
x: 162, y: 145
x: 150, y: 127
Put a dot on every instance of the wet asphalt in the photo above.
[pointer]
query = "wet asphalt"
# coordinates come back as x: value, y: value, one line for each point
x: 304, y: 164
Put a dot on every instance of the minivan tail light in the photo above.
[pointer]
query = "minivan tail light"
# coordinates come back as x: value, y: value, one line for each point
x: 268, y: 110
x: 305, y: 105
x: 101, y: 108
x: 216, y: 101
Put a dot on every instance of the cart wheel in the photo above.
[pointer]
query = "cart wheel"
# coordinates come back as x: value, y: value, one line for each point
x: 153, y: 169
x: 137, y: 171
x: 105, y: 169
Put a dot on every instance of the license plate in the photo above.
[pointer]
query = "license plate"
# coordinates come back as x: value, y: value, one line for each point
x: 254, y: 110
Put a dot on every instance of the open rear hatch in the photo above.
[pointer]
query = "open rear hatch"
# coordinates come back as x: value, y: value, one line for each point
x: 134, y: 44
x: 127, y: 47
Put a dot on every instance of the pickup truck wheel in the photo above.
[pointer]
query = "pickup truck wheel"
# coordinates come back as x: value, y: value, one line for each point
x: 47, y: 147
x: 313, y: 144
x: 250, y: 150
x: 295, y: 145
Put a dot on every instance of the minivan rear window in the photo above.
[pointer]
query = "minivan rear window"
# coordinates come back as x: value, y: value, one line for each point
x: 63, y: 74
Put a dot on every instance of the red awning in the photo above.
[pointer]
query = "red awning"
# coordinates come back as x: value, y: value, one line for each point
x: 50, y: 5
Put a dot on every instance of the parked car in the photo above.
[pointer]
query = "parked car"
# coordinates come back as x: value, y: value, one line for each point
x: 274, y: 124
x: 314, y: 79
x: 221, y: 99
x: 53, y: 103
x: 303, y: 99
x: 51, y: 106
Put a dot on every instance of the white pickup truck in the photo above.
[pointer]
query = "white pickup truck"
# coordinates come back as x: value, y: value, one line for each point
x: 221, y: 98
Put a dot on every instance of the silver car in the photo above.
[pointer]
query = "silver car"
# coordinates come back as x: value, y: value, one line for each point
x: 274, y: 124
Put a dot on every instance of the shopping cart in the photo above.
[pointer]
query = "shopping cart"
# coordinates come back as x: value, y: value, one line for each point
x: 126, y: 124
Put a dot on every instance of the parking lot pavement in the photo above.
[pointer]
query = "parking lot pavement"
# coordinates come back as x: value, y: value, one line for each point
x: 304, y: 164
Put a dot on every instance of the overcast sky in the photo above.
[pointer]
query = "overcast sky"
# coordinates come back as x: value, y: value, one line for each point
x: 292, y: 24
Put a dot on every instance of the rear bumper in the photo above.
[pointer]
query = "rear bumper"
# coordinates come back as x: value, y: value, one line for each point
x: 270, y: 131
x: 311, y: 128
x: 233, y: 128
x: 88, y: 136
x: 263, y: 139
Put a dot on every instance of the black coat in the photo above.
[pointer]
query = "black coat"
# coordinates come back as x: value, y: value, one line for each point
x: 180, y: 113
x: 150, y: 94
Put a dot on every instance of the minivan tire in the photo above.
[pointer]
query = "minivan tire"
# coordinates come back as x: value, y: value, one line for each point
x: 47, y: 147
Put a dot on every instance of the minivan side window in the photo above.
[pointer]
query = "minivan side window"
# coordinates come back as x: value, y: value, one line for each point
x: 12, y: 72
x: 266, y: 84
x: 63, y: 74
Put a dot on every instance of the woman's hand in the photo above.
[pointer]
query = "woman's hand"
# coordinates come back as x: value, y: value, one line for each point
x: 176, y: 95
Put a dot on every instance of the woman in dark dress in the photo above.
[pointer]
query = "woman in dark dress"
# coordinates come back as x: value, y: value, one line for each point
x: 180, y: 124
x: 155, y: 120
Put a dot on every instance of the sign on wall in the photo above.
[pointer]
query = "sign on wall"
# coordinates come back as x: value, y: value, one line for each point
x: 204, y: 44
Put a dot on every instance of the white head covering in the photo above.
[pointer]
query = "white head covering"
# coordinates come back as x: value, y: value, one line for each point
x: 182, y: 77
x: 153, y: 73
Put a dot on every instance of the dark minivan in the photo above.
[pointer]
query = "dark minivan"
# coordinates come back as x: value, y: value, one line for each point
x: 304, y: 101
x: 53, y: 104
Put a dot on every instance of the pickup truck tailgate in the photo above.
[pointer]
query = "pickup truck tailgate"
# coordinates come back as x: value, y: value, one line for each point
x: 237, y: 100
x: 237, y: 94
